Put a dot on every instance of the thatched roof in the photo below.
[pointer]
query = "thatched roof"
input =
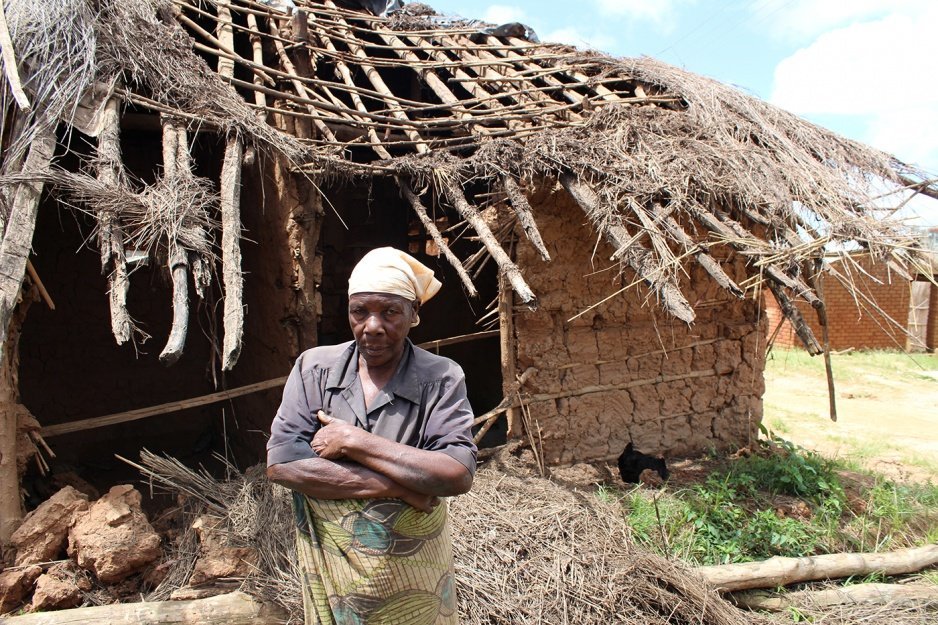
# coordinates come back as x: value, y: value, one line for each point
x: 665, y: 164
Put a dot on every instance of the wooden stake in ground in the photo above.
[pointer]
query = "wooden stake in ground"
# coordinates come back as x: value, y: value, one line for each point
x: 776, y: 572
x: 506, y: 329
x: 236, y: 608
x: 818, y: 284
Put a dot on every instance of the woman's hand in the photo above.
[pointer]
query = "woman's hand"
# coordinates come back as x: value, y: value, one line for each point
x: 334, y: 437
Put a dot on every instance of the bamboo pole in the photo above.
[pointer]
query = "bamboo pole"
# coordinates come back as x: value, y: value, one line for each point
x: 505, y: 264
x: 435, y: 234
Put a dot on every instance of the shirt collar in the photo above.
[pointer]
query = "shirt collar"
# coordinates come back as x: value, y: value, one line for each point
x: 344, y: 371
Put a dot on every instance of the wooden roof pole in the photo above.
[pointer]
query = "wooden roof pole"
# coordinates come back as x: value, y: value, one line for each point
x: 257, y: 53
x: 346, y: 76
x: 485, y: 98
x: 110, y: 234
x: 505, y: 265
x: 708, y: 262
x: 435, y: 234
x: 570, y: 95
x: 627, y: 247
x: 378, y: 83
x: 525, y: 216
x: 300, y: 87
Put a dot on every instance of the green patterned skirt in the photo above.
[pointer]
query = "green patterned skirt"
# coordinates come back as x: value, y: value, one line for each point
x: 374, y: 562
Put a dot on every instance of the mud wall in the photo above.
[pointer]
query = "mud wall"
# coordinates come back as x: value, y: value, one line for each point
x: 626, y: 371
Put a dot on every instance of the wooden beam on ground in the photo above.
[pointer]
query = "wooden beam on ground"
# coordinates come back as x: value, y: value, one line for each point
x: 780, y: 571
x: 505, y: 265
x: 855, y: 594
x: 236, y: 608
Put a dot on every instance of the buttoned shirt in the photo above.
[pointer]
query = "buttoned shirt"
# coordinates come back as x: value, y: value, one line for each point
x: 424, y: 405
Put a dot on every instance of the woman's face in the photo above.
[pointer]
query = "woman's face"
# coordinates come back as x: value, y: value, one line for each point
x: 380, y: 323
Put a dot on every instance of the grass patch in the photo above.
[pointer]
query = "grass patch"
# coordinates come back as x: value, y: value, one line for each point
x: 785, y: 501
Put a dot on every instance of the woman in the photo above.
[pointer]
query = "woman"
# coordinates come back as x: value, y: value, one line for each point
x: 370, y: 435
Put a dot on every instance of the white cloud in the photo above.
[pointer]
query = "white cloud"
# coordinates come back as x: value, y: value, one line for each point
x: 662, y: 13
x: 503, y: 14
x: 881, y: 70
x: 804, y: 19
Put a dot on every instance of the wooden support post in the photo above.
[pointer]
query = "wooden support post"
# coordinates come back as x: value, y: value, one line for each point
x: 14, y: 253
x: 230, y: 192
x: 818, y: 284
x: 505, y: 265
x: 506, y: 327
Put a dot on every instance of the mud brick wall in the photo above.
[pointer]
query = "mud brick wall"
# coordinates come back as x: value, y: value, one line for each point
x: 860, y: 327
x: 626, y: 371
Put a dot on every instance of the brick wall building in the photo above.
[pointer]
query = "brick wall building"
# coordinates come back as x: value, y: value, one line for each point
x: 854, y: 323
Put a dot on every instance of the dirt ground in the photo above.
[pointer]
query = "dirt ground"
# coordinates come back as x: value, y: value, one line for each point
x: 887, y: 408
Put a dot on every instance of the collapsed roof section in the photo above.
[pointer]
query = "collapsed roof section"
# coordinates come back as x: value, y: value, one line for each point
x: 665, y: 164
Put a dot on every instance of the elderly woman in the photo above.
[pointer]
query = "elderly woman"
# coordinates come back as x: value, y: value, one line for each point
x: 370, y: 435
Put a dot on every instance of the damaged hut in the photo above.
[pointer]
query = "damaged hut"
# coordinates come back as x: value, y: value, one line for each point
x: 186, y: 185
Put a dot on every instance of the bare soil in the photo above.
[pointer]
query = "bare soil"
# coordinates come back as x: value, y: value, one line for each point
x: 887, y: 408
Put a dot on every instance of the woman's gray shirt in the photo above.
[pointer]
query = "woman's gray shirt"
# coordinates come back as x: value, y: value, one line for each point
x: 424, y: 405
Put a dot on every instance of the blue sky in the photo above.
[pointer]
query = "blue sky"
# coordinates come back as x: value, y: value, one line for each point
x: 863, y: 68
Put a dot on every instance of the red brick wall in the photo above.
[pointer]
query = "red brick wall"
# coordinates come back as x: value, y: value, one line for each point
x: 854, y: 323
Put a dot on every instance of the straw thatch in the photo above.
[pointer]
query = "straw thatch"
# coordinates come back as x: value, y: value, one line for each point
x: 665, y: 164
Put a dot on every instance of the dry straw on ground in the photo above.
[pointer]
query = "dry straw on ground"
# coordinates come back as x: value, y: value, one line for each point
x: 528, y: 551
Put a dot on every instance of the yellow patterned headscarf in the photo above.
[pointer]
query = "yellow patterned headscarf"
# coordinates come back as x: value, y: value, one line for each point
x: 388, y: 270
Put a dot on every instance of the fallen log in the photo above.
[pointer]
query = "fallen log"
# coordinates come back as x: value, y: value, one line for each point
x: 776, y: 572
x: 870, y: 594
x: 236, y: 608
